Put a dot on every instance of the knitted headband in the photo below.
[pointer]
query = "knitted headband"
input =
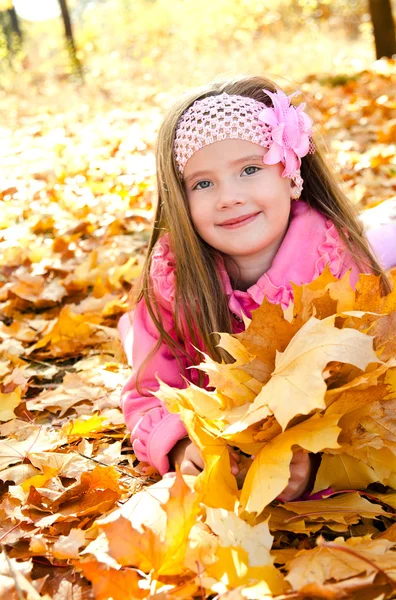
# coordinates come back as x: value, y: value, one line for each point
x: 284, y: 129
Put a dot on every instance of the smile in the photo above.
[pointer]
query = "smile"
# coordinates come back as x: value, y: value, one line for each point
x: 239, y: 222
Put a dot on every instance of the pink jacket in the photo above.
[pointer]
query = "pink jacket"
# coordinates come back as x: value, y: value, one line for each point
x: 310, y: 243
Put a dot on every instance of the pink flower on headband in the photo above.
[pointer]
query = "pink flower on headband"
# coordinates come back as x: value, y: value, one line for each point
x: 291, y: 131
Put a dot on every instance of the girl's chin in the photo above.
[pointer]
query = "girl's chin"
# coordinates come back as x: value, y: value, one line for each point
x: 244, y: 246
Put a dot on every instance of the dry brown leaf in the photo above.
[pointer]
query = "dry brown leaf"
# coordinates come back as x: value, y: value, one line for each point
x: 341, y: 561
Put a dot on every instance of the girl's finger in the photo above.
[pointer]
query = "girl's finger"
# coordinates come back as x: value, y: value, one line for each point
x: 234, y: 469
x: 187, y: 467
x: 194, y: 456
x: 298, y: 456
x: 234, y: 463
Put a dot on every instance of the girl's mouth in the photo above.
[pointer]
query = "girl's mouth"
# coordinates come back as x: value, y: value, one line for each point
x: 239, y: 221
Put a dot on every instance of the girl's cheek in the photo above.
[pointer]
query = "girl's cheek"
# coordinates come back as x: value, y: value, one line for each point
x: 202, y: 208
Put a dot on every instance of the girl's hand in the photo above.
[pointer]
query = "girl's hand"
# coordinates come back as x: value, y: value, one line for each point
x: 300, y: 474
x: 186, y: 454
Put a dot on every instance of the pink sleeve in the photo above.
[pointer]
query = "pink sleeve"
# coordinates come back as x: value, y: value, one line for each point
x: 383, y: 242
x: 154, y: 431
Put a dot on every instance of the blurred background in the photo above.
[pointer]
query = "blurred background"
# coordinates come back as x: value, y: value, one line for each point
x: 122, y: 48
x: 84, y: 85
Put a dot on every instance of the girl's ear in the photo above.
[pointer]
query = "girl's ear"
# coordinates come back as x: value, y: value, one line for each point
x: 295, y: 193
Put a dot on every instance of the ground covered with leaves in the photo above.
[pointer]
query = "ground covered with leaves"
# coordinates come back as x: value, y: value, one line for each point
x: 77, y: 516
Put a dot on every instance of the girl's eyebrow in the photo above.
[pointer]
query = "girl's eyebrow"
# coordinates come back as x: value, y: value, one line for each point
x: 196, y: 174
x: 252, y: 157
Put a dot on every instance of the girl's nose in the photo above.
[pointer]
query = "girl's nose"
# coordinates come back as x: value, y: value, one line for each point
x: 228, y: 196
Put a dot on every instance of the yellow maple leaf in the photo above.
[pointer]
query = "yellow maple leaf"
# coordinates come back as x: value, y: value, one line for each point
x: 324, y: 296
x: 233, y: 531
x: 384, y: 332
x: 211, y: 405
x: 340, y: 561
x: 38, y: 545
x: 231, y: 381
x: 268, y: 332
x: 238, y: 350
x: 373, y: 424
x: 343, y: 472
x: 112, y: 583
x: 67, y: 546
x: 297, y: 386
x: 281, y: 519
x: 32, y: 439
x: 216, y: 485
x: 212, y: 408
x: 361, y: 390
x: 68, y: 331
x: 232, y: 570
x: 390, y: 380
x: 102, y: 478
x: 82, y: 428
x: 269, y: 473
x: 148, y: 551
x: 342, y: 508
x: 40, y: 480
x: 8, y: 402
x: 381, y: 460
x: 369, y: 296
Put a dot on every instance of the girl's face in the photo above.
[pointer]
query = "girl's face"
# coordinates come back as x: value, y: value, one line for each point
x: 239, y: 205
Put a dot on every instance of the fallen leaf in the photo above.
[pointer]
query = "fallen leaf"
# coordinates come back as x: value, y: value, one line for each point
x: 67, y: 547
x: 343, y: 472
x: 340, y: 561
x: 83, y: 428
x: 146, y: 550
x: 269, y: 473
x: 111, y: 583
x: 38, y: 481
x: 8, y: 403
x: 233, y: 531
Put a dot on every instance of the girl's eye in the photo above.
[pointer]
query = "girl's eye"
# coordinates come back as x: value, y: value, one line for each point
x: 251, y: 170
x: 203, y: 185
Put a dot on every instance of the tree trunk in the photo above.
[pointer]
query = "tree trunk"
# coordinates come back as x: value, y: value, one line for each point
x: 67, y: 23
x: 384, y: 27
x: 69, y: 36
x: 5, y: 26
x: 15, y: 22
x: 12, y: 33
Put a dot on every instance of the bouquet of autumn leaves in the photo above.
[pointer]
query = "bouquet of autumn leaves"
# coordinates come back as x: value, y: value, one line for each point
x: 319, y: 377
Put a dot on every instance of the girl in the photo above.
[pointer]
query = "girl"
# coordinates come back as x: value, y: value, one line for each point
x: 246, y: 205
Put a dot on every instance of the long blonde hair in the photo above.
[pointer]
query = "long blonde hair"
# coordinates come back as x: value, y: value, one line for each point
x: 200, y: 303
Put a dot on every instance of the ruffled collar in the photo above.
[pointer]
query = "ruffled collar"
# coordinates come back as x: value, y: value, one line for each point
x: 311, y: 242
